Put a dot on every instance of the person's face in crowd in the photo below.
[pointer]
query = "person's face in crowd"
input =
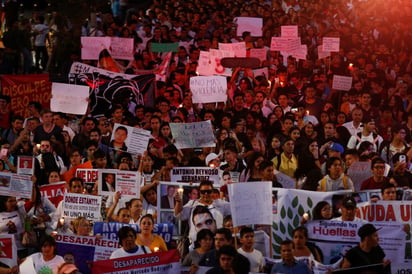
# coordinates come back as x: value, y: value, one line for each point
x: 378, y: 170
x: 47, y: 118
x: 166, y: 131
x: 373, y: 239
x: 357, y: 115
x: 47, y: 250
x: 136, y: 208
x: 220, y: 241
x: 206, y: 243
x: 335, y: 169
x: 329, y: 130
x: 257, y: 162
x: 209, y: 116
x: 140, y: 113
x: 31, y: 125
x: 259, y: 97
x: 275, y: 143
x: 164, y: 107
x: 238, y: 102
x: 229, y: 156
x: 248, y: 240
x: 146, y: 225
x: 101, y: 162
x: 268, y: 173
x: 401, y: 135
x: 75, y: 158
x: 227, y: 179
x: 348, y: 213
x: 225, y: 122
x: 283, y: 101
x: 17, y: 124
x: 83, y: 229
x: 128, y: 243
x: 310, y: 93
x: 103, y: 126
x: 249, y: 98
x: 286, y: 253
x: 89, y: 125
x: 341, y: 118
x: 66, y: 136
x: 299, y: 239
x: 110, y: 179
x: 295, y: 134
x: 389, y: 194
x: 324, y: 118
x: 69, y: 258
x: 123, y: 216
x: 94, y: 136
x: 365, y: 99
x: 3, y: 104
x: 206, y: 194
x: 194, y: 194
x: 287, y: 124
x: 350, y: 159
x: 120, y: 136
x: 77, y: 187
x: 45, y: 146
x: 54, y: 177
x: 11, y: 204
x: 155, y: 124
x: 147, y: 162
x: 58, y: 120
x: 309, y: 129
x: 151, y: 197
x: 326, y: 212
x: 118, y: 114
x: 243, y: 85
x: 289, y: 146
x: 225, y: 262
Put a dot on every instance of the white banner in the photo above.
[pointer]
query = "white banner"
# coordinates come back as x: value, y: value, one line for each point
x: 260, y: 53
x: 239, y: 49
x: 68, y: 98
x: 215, y: 56
x: 195, y: 174
x: 289, y: 31
x: 130, y: 139
x: 15, y: 185
x: 206, y: 89
x: 342, y: 82
x: 114, y: 180
x: 192, y: 135
x: 252, y: 24
x: 92, y: 46
x: 81, y: 205
x: 331, y: 44
x: 122, y: 48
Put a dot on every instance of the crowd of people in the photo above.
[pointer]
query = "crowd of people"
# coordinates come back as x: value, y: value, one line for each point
x: 289, y: 127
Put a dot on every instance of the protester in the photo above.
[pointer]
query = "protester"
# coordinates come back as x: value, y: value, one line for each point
x: 127, y: 239
x: 146, y: 236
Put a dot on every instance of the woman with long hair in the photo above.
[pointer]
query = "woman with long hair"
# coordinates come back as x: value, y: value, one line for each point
x: 146, y: 236
x: 203, y: 243
x: 251, y: 173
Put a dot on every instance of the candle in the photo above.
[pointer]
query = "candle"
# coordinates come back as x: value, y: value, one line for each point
x: 180, y: 191
x: 156, y: 249
x: 306, y: 216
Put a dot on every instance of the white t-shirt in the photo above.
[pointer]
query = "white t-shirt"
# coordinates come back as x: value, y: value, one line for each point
x: 41, y: 265
x: 120, y: 253
x: 255, y: 258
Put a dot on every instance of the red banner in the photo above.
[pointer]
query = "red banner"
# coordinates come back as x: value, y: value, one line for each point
x: 25, y: 88
x: 55, y: 192
x: 158, y: 262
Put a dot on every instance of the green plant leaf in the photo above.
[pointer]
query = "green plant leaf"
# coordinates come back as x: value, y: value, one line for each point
x: 301, y: 210
x: 277, y: 239
x: 295, y: 201
x: 275, y: 226
x: 290, y: 230
x: 283, y: 212
x: 296, y: 221
x: 309, y: 202
x: 282, y: 228
x: 290, y: 213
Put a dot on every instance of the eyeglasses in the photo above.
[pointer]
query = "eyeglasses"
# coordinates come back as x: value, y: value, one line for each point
x: 206, y: 191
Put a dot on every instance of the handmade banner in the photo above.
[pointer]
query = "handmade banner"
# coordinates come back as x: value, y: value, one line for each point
x: 121, y: 48
x: 301, y: 52
x: 192, y: 135
x: 53, y: 192
x: 239, y: 49
x: 84, y: 250
x: 289, y: 31
x: 260, y: 53
x: 164, y: 47
x: 159, y: 262
x: 25, y: 165
x: 89, y: 176
x: 108, y: 87
x: 206, y: 89
x: 195, y: 174
x: 216, y: 55
x: 81, y: 205
x: 92, y: 46
x: 15, y: 185
x: 71, y: 99
x: 331, y: 44
x: 204, y: 67
x: 123, y: 181
x: 252, y: 24
x: 335, y: 238
x: 342, y: 82
x: 25, y: 88
x: 261, y: 72
x: 251, y: 203
x: 109, y: 230
x: 8, y: 254
x: 130, y: 139
x: 322, y: 54
x: 279, y: 44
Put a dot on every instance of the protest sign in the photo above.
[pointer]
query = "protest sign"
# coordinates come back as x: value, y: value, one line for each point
x: 331, y: 44
x: 252, y: 24
x: 84, y: 250
x: 69, y: 98
x: 335, y: 238
x: 130, y: 139
x: 8, y: 254
x: 321, y: 53
x: 92, y: 46
x: 251, y: 203
x: 121, y: 48
x: 260, y: 53
x: 109, y: 230
x: 342, y: 82
x: 279, y: 44
x: 216, y: 56
x: 53, y: 192
x: 123, y: 181
x: 238, y: 49
x: 359, y: 172
x: 294, y: 45
x: 25, y: 165
x: 195, y: 174
x: 15, y: 185
x: 164, y: 47
x: 204, y: 67
x: 89, y: 176
x: 155, y: 263
x: 25, y: 88
x: 106, y: 87
x: 301, y: 52
x: 261, y: 72
x: 289, y: 31
x: 206, y: 89
x: 192, y: 135
x: 81, y: 205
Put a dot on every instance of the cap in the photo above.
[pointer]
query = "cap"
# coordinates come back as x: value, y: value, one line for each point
x: 349, y: 202
x: 337, y: 147
x: 210, y: 157
x: 366, y: 230
x: 68, y: 268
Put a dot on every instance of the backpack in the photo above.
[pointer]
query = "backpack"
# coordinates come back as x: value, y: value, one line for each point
x: 323, y: 183
x: 375, y: 139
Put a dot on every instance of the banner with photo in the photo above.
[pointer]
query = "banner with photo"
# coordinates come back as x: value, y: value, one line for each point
x: 25, y: 88
x: 15, y: 185
x: 84, y: 250
x: 155, y: 263
x: 25, y: 165
x: 130, y: 139
x: 109, y: 230
x: 114, y: 180
x: 89, y: 176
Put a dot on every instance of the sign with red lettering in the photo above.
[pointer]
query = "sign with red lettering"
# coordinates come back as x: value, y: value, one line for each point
x: 89, y: 176
x: 159, y: 262
x: 54, y: 192
x: 8, y: 250
x: 25, y: 88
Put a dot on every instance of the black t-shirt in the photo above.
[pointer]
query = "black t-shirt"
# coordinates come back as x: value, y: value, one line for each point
x: 357, y: 257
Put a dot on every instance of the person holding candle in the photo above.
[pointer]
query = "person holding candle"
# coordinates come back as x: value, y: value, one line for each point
x: 146, y: 236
